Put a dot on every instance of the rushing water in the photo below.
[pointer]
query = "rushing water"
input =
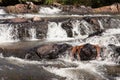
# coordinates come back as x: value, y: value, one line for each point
x: 48, y: 10
x: 13, y: 68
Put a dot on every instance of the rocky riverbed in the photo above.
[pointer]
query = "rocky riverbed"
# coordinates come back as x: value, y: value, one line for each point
x: 37, y: 45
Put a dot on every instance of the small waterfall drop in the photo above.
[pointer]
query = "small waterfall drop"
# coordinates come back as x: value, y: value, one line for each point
x: 32, y: 33
x: 76, y: 28
x: 7, y: 34
x: 55, y: 31
x: 101, y: 25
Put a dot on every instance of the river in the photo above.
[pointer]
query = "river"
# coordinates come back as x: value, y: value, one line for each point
x: 14, y: 68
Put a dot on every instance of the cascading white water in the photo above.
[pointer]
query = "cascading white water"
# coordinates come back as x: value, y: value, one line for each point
x: 55, y: 31
x: 104, y: 40
x: 2, y: 11
x: 100, y: 23
x: 76, y: 28
x: 87, y: 27
x: 32, y: 33
x: 112, y: 31
x: 81, y: 26
x: 49, y: 10
x: 6, y: 33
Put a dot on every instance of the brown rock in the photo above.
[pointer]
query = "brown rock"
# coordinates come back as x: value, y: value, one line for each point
x: 36, y: 18
x: 18, y: 20
x: 52, y: 51
x: 115, y: 8
x: 22, y: 8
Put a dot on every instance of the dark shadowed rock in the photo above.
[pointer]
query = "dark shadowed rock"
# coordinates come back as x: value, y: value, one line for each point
x: 85, y: 52
x: 96, y: 33
x: 68, y: 27
x: 88, y: 52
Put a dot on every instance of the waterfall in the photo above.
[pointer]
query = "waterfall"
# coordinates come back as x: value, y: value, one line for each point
x: 78, y: 29
x: 32, y: 33
x: 7, y: 34
x: 55, y: 31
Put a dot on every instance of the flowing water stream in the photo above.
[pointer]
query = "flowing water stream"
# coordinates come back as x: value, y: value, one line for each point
x: 19, y: 36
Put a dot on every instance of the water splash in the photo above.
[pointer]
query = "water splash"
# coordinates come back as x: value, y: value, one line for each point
x: 49, y: 10
x: 6, y: 33
x: 32, y: 32
x: 2, y: 11
x: 55, y: 31
x: 101, y: 25
x: 103, y: 40
x: 76, y: 28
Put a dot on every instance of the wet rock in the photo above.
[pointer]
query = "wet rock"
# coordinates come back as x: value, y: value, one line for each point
x: 50, y: 51
x: 85, y: 52
x: 94, y: 22
x: 22, y: 8
x: 88, y: 52
x: 96, y: 33
x: 70, y: 9
x: 67, y: 25
x: 114, y: 8
x: 18, y: 20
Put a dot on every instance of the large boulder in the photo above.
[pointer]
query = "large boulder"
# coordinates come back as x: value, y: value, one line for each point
x: 49, y: 51
x: 115, y: 8
x: 85, y: 52
x: 22, y: 8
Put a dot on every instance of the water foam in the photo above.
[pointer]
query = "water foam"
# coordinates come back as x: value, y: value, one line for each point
x: 55, y: 32
x: 49, y: 10
x: 2, y: 11
x: 103, y: 40
x: 32, y: 32
x: 6, y: 33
